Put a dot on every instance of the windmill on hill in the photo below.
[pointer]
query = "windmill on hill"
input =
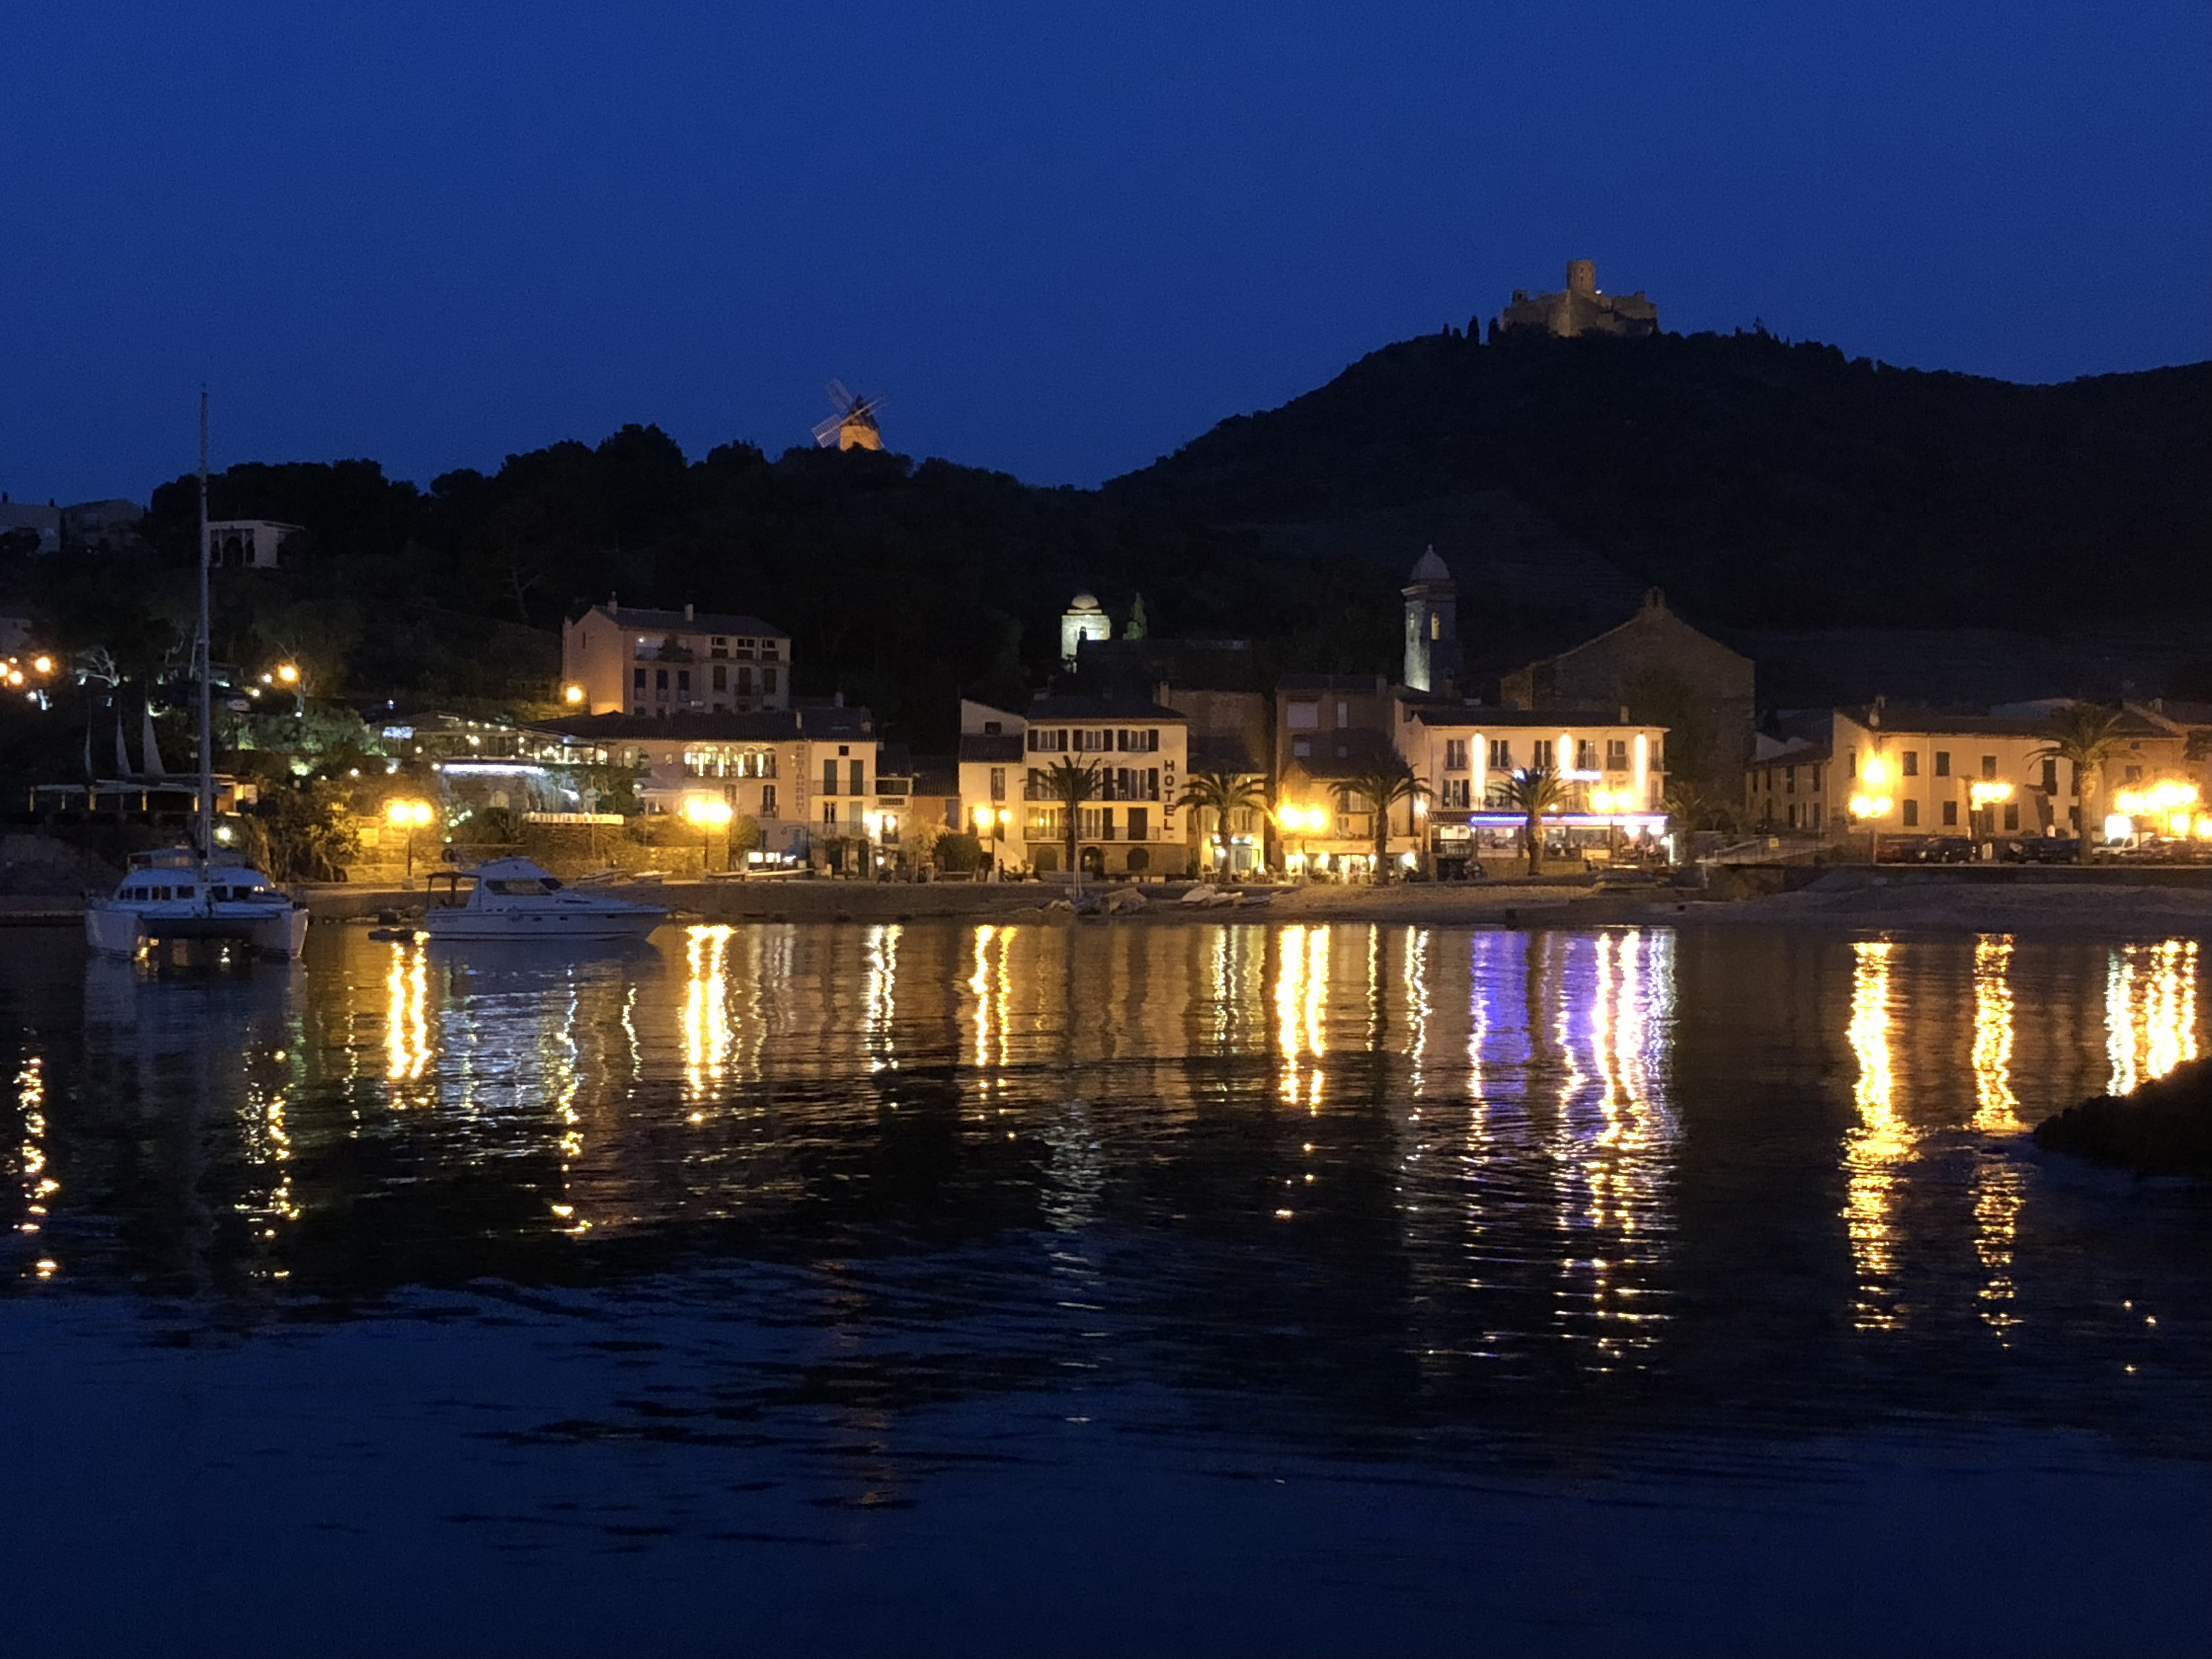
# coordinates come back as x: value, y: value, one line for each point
x: 854, y: 426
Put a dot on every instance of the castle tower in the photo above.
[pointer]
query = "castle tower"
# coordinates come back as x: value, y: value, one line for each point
x: 1431, y: 626
x: 1582, y: 278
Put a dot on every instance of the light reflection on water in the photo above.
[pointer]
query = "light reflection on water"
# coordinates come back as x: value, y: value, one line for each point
x: 1330, y: 1164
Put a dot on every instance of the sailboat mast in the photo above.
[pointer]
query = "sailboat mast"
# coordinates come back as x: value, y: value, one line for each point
x: 200, y: 653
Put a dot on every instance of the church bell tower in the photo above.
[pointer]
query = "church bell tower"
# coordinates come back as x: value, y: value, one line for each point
x: 1431, y: 626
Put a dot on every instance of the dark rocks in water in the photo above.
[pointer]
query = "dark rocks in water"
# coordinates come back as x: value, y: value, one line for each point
x: 2164, y: 1127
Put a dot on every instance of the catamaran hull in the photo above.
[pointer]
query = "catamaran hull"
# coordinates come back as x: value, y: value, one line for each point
x: 547, y: 924
x: 118, y: 930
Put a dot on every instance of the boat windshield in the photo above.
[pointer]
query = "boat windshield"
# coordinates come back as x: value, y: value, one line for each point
x: 527, y: 889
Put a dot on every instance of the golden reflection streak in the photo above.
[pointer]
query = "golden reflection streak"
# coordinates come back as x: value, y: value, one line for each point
x: 1417, y: 1002
x: 1881, y: 1140
x: 1301, y: 994
x: 407, y: 1014
x: 2150, y: 1011
x: 1996, y: 1107
x: 38, y: 1183
x: 881, y: 996
x: 707, y: 1036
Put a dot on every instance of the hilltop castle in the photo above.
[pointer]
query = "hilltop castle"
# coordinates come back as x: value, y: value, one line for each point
x: 1581, y: 309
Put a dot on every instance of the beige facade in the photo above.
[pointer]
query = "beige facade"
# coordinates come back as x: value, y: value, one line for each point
x: 1140, y: 751
x: 652, y: 665
x: 807, y: 776
x: 993, y: 767
x: 1925, y: 765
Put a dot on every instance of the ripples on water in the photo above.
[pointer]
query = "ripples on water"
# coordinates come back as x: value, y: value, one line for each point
x: 1345, y: 1183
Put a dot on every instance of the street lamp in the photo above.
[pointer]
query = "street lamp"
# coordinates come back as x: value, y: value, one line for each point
x: 411, y: 816
x: 572, y: 695
x: 709, y: 813
x: 1984, y: 797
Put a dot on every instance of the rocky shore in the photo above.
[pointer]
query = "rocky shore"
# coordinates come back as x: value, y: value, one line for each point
x: 2164, y: 1127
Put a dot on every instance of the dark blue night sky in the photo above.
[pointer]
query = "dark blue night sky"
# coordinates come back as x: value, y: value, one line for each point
x: 1063, y: 239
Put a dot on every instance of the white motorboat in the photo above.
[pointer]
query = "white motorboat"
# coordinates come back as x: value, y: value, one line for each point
x: 175, y: 894
x: 514, y: 899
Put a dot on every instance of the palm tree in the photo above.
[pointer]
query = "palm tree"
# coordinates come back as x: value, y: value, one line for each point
x: 1533, y: 792
x: 1382, y: 785
x: 1222, y: 792
x: 1072, y: 784
x: 2085, y: 735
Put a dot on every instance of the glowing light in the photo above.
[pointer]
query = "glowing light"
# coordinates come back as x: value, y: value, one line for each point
x: 407, y: 1017
x: 983, y: 819
x: 708, y: 812
x: 1987, y: 793
x: 2161, y: 799
x: 572, y: 694
x: 2118, y: 826
x: 287, y: 674
x: 1996, y: 1106
x: 1871, y: 806
x: 1875, y: 773
x: 408, y: 814
x: 707, y: 1037
x: 1879, y: 1142
x: 43, y: 665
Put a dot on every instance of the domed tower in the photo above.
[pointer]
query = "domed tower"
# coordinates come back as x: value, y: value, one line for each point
x: 1432, y: 625
x: 1082, y: 620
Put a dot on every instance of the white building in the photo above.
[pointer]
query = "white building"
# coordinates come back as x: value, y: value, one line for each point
x: 247, y: 543
x: 1082, y: 620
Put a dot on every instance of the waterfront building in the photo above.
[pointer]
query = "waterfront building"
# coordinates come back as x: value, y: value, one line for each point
x: 655, y: 665
x: 808, y: 775
x: 1925, y: 772
x: 992, y: 761
x: 1613, y: 768
x: 1329, y: 728
x: 1785, y: 788
x: 1140, y: 749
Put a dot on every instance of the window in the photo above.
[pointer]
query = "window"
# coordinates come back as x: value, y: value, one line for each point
x: 858, y: 778
x: 1586, y: 755
x: 998, y: 783
x: 1302, y: 748
x: 1911, y: 758
x: 1302, y: 716
x: 1343, y: 715
x: 684, y: 682
x: 1942, y: 763
x: 637, y: 678
x: 2134, y: 774
x: 1616, y: 754
x: 2012, y: 815
x: 745, y: 679
x: 721, y: 677
x: 1541, y: 756
x: 768, y: 801
x: 829, y: 815
x: 1989, y: 766
x: 661, y: 681
x: 1435, y: 626
x: 992, y: 728
x: 829, y: 777
x: 1501, y: 755
x: 1793, y: 815
x: 1454, y: 754
x: 1456, y: 795
x: 1049, y: 742
x: 1950, y: 815
x: 2051, y: 777
x: 1912, y: 815
x: 1816, y: 772
x: 1140, y: 823
x: 767, y: 681
x: 718, y: 647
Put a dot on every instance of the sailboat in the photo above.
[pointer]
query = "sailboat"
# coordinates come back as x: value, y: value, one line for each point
x: 196, y: 892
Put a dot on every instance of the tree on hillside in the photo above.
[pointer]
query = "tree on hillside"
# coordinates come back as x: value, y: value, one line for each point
x: 2085, y: 735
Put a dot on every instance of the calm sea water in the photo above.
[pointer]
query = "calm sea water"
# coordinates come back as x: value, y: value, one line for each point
x: 955, y: 1288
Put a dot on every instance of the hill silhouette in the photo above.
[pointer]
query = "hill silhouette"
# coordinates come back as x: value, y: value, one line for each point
x: 1762, y: 483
